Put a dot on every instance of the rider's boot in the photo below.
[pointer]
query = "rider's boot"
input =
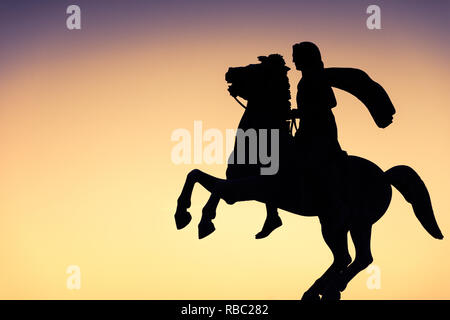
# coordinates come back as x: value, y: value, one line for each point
x: 272, y: 222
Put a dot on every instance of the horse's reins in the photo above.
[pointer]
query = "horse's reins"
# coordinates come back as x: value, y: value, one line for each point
x: 242, y: 105
x: 293, y: 122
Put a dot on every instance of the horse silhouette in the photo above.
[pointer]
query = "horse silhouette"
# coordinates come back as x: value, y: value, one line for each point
x: 361, y: 195
x: 268, y: 85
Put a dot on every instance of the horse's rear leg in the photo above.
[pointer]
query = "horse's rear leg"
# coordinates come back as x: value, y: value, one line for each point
x: 361, y: 235
x: 206, y: 227
x: 335, y: 236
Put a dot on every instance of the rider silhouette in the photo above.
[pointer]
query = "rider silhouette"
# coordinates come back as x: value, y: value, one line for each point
x: 316, y: 141
x: 317, y: 135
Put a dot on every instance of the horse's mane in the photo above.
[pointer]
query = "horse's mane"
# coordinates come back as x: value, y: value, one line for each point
x: 274, y: 59
x: 279, y: 81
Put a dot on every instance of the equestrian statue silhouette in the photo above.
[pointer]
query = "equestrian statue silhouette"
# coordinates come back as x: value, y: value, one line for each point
x: 315, y: 176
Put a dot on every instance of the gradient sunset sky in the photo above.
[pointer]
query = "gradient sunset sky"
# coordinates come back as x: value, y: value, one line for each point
x: 86, y: 118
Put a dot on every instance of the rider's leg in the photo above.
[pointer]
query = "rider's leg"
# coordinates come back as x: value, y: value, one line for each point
x: 335, y: 188
x: 333, y: 177
x: 272, y: 222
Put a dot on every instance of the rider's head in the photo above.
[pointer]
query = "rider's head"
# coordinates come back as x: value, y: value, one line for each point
x: 306, y: 56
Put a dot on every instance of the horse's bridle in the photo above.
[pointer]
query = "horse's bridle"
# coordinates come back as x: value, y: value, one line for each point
x: 293, y: 122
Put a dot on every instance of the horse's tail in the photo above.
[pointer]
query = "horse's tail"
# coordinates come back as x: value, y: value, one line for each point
x: 413, y: 189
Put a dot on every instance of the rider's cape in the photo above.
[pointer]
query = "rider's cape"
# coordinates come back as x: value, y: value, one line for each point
x: 369, y: 92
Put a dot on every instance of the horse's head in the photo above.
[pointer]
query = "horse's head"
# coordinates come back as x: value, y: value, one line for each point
x: 265, y: 83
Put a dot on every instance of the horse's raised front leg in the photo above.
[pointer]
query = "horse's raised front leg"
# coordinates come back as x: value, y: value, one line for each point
x: 335, y: 236
x: 182, y: 216
x: 259, y: 188
x: 264, y: 189
x: 206, y: 227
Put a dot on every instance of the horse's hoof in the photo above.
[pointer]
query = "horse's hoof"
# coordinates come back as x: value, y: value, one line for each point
x: 182, y: 219
x: 205, y: 228
x: 310, y: 296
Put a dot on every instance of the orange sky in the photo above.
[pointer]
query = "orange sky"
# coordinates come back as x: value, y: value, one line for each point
x: 87, y: 177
